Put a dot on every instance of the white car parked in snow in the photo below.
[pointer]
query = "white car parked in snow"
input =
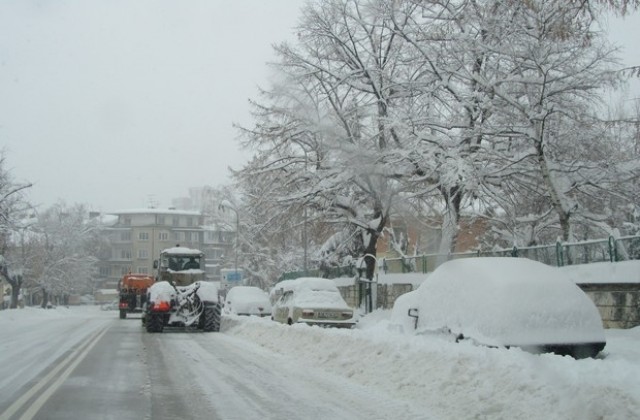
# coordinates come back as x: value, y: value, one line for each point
x: 314, y: 301
x: 503, y: 302
x: 278, y: 290
x: 247, y: 300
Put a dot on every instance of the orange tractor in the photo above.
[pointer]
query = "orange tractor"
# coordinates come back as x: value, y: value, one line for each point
x: 133, y: 292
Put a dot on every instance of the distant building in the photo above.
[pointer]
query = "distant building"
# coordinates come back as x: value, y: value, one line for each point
x: 137, y: 236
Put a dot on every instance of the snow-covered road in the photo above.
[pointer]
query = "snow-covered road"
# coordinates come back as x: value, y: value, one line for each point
x: 238, y: 379
x: 129, y: 373
x: 256, y: 368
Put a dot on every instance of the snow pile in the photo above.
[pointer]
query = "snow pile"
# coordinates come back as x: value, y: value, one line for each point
x: 460, y: 380
x: 180, y: 250
x: 161, y: 291
x: 604, y: 272
x: 207, y: 291
x: 320, y: 299
x: 27, y: 315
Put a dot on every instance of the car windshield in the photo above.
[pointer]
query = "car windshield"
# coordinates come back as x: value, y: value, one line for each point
x: 326, y: 298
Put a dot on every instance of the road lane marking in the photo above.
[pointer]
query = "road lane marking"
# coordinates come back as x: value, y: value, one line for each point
x: 70, y: 362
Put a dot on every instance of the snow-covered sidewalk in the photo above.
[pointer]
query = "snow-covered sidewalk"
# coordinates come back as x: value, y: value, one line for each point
x: 455, y: 381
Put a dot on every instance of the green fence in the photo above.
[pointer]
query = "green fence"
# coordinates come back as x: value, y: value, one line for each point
x: 559, y: 254
x: 330, y: 272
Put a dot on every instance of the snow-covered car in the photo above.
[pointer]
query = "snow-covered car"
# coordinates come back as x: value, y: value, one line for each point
x: 503, y: 302
x: 278, y: 290
x: 314, y: 301
x: 110, y: 306
x: 247, y: 300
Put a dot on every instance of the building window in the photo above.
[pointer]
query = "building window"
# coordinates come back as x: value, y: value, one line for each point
x: 161, y: 220
x: 176, y: 221
x: 187, y: 236
x: 127, y: 221
x: 143, y: 254
x: 190, y: 221
x: 105, y: 271
x: 125, y: 254
x: 125, y: 236
x: 163, y: 236
x: 142, y: 270
x: 143, y: 236
x: 124, y: 270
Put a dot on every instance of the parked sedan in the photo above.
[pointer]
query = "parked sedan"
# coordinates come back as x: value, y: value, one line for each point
x: 503, y: 302
x: 247, y: 300
x: 314, y: 301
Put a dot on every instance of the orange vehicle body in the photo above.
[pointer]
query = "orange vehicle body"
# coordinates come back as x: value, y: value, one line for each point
x: 133, y: 292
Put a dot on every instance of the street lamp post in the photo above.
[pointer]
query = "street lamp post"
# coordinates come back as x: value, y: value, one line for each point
x: 224, y: 205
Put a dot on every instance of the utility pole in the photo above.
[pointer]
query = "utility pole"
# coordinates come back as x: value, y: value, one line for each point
x: 304, y: 240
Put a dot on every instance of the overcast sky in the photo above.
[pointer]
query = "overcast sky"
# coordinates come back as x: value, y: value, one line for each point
x: 118, y: 103
x: 111, y: 103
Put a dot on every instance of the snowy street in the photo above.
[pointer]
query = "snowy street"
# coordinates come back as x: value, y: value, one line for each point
x: 86, y: 363
x: 130, y: 374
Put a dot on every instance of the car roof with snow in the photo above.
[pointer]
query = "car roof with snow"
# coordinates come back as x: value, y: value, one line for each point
x: 504, y: 301
x: 315, y: 283
x: 317, y: 292
x: 281, y: 287
x: 246, y: 291
x: 180, y: 250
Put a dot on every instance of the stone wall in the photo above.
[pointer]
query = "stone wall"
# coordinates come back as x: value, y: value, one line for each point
x: 385, y: 296
x: 618, y: 303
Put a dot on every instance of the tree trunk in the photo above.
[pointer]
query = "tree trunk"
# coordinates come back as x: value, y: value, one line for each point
x: 15, y: 294
x: 16, y: 284
x: 450, y: 221
x: 370, y: 263
x: 45, y: 298
x: 564, y: 214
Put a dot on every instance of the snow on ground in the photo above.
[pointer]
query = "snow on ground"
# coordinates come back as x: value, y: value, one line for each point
x: 460, y: 380
x: 32, y: 339
x: 604, y: 272
x: 448, y: 380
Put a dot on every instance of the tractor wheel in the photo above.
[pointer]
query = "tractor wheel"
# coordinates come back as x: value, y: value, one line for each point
x: 123, y: 313
x: 218, y: 316
x: 155, y: 323
x: 211, y: 318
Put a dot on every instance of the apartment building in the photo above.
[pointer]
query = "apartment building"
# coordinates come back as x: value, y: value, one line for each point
x: 137, y: 236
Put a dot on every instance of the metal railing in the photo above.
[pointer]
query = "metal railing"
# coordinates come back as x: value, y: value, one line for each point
x: 559, y: 254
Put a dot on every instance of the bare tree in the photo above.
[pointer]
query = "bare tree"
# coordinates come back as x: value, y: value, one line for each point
x: 67, y: 264
x: 440, y: 107
x: 328, y: 127
x: 13, y: 208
